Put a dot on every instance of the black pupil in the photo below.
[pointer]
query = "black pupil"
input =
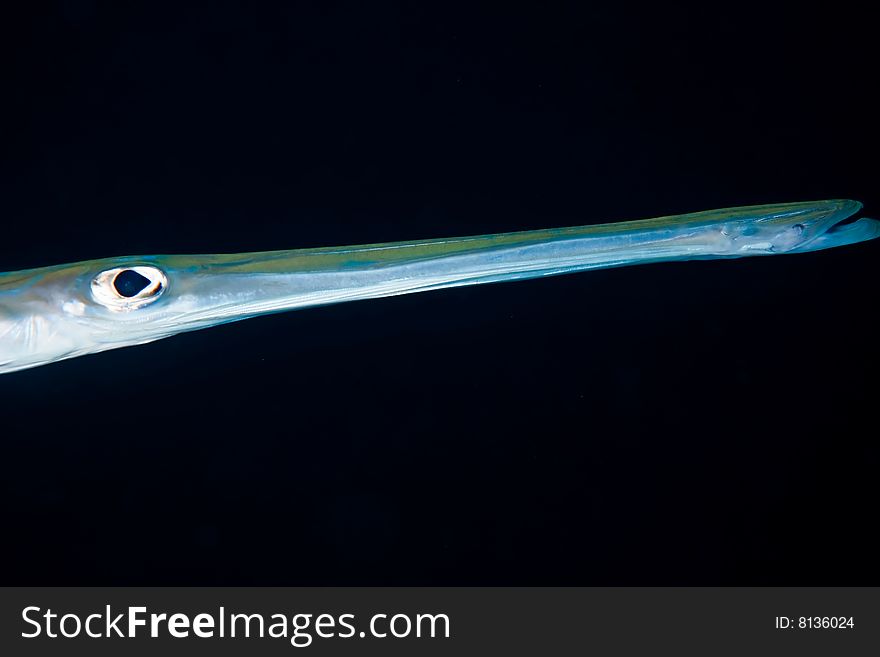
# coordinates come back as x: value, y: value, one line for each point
x: 129, y: 283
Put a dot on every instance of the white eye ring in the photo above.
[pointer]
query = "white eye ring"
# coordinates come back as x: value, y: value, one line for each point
x: 104, y: 290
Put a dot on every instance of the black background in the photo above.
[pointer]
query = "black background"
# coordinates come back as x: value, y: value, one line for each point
x: 693, y: 423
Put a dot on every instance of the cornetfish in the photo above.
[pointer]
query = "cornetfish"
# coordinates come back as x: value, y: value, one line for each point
x: 53, y: 313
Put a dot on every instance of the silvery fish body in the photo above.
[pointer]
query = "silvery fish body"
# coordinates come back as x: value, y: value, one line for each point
x: 52, y: 313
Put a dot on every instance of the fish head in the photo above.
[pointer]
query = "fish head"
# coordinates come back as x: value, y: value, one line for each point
x: 60, y: 312
x: 53, y: 313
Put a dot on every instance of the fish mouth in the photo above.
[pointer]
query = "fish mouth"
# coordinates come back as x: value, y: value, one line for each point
x: 839, y: 227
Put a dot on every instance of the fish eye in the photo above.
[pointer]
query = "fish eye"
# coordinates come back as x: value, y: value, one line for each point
x: 129, y: 288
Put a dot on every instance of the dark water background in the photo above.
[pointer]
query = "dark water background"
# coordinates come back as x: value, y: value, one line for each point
x: 694, y: 423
